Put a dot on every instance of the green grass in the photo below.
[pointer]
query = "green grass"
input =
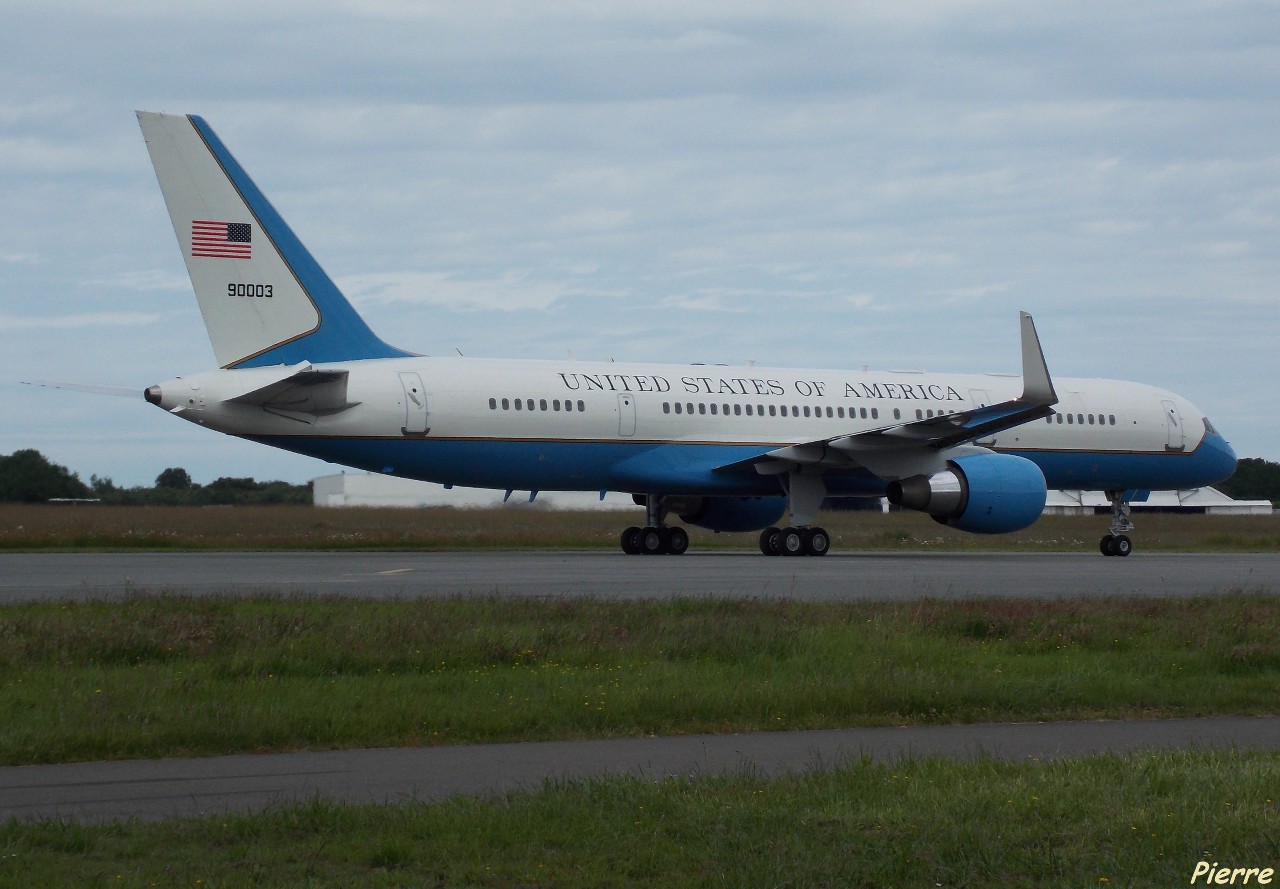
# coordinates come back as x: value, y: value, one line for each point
x: 27, y: 528
x: 1143, y: 820
x: 161, y: 676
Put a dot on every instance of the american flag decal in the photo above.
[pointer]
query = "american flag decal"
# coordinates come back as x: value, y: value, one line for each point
x: 221, y: 240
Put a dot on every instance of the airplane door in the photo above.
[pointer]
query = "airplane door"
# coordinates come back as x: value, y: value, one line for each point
x: 626, y: 414
x: 415, y: 405
x: 1177, y: 439
x: 982, y: 398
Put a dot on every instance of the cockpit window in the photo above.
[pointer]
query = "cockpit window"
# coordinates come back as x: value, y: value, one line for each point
x: 1208, y: 427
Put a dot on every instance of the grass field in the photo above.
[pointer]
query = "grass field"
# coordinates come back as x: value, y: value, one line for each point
x: 163, y: 676
x: 521, y: 527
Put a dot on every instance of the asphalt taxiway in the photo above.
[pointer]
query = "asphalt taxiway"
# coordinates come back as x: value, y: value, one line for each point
x: 854, y: 576
x: 155, y: 789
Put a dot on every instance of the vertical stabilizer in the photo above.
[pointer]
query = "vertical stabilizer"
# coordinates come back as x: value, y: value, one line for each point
x: 265, y: 300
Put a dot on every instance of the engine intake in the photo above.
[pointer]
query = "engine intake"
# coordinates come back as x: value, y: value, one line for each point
x: 982, y: 494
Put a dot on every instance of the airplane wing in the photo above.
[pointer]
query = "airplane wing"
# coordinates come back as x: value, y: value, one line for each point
x: 867, y: 449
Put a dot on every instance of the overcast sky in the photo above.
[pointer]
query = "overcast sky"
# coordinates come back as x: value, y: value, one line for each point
x: 809, y: 183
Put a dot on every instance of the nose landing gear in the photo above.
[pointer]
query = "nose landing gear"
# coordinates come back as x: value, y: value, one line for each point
x: 1116, y: 541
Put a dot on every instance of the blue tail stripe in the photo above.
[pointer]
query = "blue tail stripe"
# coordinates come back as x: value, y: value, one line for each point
x: 342, y: 334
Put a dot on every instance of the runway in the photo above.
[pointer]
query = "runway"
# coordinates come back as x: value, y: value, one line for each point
x: 838, y: 577
x: 156, y: 789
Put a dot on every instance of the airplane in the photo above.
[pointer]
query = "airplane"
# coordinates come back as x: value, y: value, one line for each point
x: 725, y: 448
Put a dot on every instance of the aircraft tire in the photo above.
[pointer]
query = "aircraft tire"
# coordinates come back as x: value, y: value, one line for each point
x: 771, y: 542
x: 677, y: 541
x: 1121, y: 545
x: 652, y: 541
x: 631, y: 541
x: 817, y: 542
x: 1105, y: 544
x: 792, y: 542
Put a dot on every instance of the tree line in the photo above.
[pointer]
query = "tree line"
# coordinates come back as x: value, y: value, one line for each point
x: 27, y: 476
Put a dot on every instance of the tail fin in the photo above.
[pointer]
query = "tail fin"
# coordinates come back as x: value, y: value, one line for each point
x: 265, y: 300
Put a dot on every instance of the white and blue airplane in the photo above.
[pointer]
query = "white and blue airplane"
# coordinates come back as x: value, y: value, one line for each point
x: 724, y: 448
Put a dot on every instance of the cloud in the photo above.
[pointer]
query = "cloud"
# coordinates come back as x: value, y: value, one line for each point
x: 511, y: 292
x: 66, y: 322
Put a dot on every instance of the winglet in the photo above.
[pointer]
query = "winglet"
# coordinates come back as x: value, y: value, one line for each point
x: 1037, y: 387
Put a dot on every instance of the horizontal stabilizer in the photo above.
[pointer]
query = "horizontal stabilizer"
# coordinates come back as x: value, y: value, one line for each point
x: 299, y: 390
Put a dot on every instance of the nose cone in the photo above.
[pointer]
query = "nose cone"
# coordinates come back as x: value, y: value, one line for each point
x: 1218, y: 458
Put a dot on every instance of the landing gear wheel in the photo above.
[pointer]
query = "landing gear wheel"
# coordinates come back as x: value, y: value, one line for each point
x: 792, y: 541
x: 771, y: 542
x: 1115, y: 545
x: 631, y: 541
x: 817, y: 541
x: 677, y: 541
x: 652, y: 541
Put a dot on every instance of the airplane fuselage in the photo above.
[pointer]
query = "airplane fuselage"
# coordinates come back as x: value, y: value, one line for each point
x: 585, y: 426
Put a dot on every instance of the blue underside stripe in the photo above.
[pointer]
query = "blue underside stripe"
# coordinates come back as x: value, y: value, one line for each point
x: 677, y: 469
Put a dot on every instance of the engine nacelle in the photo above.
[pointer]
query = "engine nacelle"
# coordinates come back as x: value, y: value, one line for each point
x: 983, y: 494
x: 730, y: 513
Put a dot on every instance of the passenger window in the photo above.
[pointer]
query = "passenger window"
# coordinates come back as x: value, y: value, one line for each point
x: 749, y: 410
x: 542, y: 404
x: 702, y: 408
x: 679, y: 408
x: 737, y: 410
x: 666, y: 407
x: 715, y: 409
x: 875, y: 413
x: 555, y: 405
x: 582, y: 406
x: 897, y: 414
x: 519, y: 405
x: 919, y: 414
x: 773, y: 410
x: 493, y: 404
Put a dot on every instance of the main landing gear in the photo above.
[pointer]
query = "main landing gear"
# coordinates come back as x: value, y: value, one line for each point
x: 1116, y: 541
x: 655, y: 539
x: 805, y: 491
x: 795, y: 541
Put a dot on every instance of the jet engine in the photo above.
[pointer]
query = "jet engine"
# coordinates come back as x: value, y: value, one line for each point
x: 983, y: 493
x: 730, y: 513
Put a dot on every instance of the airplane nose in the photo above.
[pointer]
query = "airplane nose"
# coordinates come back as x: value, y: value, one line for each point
x: 1223, y: 457
x: 153, y: 395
